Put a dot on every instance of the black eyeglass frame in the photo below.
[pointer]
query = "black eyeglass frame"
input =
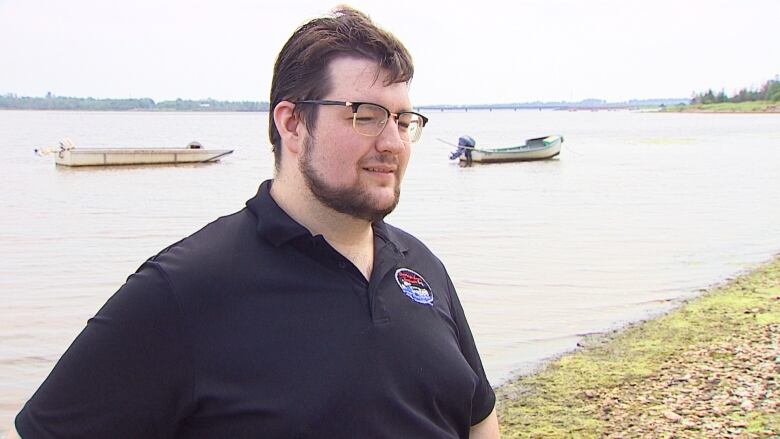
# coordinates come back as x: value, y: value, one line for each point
x: 355, y: 105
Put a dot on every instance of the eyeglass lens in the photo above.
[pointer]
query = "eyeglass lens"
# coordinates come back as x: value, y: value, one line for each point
x: 371, y: 119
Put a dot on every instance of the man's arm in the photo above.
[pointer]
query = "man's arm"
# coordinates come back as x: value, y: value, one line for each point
x: 12, y: 434
x: 487, y: 428
x: 126, y: 375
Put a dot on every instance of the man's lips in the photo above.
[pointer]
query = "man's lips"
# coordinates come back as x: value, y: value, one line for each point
x: 380, y: 169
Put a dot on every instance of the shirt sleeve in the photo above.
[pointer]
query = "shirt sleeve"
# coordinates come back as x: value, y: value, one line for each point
x: 484, y: 397
x: 127, y: 374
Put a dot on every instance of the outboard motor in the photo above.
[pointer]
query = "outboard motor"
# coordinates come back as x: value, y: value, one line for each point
x: 467, y: 141
x: 465, y: 145
x: 66, y: 144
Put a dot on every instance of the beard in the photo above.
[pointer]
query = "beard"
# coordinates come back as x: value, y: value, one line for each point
x: 355, y: 201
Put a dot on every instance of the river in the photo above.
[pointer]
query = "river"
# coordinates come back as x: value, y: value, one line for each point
x: 640, y: 210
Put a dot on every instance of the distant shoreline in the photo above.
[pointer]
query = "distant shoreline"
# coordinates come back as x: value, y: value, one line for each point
x: 750, y: 107
x: 66, y: 103
x: 63, y: 103
x: 666, y: 105
x: 698, y: 109
x: 132, y: 110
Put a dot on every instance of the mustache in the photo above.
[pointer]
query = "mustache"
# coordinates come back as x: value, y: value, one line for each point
x: 384, y: 159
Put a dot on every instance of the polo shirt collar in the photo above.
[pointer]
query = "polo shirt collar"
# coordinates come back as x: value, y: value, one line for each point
x: 278, y: 228
x: 388, y: 235
x: 273, y: 223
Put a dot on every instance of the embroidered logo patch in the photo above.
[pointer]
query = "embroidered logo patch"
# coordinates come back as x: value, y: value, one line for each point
x: 414, y: 286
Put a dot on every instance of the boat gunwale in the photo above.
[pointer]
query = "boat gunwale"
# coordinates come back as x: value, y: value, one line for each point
x: 143, y: 151
x: 525, y: 147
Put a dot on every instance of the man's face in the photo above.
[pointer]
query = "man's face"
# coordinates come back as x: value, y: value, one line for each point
x: 350, y: 173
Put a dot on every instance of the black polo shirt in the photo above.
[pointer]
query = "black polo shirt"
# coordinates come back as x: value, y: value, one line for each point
x: 252, y: 327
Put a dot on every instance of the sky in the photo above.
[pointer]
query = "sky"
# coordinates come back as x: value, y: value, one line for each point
x: 465, y: 52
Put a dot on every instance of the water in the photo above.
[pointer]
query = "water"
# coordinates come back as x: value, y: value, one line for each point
x: 640, y: 211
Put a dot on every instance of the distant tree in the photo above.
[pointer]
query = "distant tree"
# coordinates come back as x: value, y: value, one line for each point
x: 52, y: 102
x: 769, y: 91
x: 704, y: 98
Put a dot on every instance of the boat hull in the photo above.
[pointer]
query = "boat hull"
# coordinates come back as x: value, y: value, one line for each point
x: 136, y: 156
x: 534, y: 149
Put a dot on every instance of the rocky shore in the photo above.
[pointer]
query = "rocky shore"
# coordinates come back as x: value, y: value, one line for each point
x: 709, y: 369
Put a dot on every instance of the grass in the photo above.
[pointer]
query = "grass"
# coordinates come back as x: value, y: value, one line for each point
x: 558, y: 401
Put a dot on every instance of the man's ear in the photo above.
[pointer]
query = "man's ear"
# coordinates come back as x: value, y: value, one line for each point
x: 291, y: 129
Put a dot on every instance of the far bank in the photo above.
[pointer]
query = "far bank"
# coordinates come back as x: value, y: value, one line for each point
x: 726, y: 107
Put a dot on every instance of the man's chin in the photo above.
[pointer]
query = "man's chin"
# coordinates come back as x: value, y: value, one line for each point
x: 368, y: 202
x: 378, y: 206
x: 386, y: 197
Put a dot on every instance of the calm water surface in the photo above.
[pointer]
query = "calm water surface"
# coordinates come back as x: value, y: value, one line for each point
x: 640, y: 211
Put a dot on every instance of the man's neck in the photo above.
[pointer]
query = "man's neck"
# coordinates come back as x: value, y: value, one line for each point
x: 350, y: 236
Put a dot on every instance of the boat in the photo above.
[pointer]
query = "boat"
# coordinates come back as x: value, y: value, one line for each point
x: 67, y: 154
x: 539, y: 148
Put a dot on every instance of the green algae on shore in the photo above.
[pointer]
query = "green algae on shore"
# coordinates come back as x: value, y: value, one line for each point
x: 707, y: 369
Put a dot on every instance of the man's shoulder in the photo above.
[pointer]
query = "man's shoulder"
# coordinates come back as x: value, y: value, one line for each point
x: 211, y: 247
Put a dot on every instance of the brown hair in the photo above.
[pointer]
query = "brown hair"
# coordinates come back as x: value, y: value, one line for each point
x: 300, y: 71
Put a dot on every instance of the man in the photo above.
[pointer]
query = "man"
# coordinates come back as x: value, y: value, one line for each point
x: 304, y: 314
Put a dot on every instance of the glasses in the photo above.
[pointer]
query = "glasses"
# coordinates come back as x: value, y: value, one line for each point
x: 371, y: 119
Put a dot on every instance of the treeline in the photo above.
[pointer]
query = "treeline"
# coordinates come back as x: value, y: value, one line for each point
x: 770, y: 91
x: 51, y: 102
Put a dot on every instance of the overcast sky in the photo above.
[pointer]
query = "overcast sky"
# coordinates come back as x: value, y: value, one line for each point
x: 478, y: 51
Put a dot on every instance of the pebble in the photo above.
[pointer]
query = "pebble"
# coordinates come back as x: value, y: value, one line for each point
x: 672, y: 416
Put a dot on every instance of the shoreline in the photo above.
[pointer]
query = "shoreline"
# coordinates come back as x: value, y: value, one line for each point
x: 748, y: 107
x: 708, y: 368
x: 703, y: 111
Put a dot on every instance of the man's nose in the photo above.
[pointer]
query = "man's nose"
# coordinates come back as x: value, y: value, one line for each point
x: 390, y: 138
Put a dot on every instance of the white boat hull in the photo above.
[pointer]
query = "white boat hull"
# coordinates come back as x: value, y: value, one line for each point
x: 535, y: 149
x: 136, y: 156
